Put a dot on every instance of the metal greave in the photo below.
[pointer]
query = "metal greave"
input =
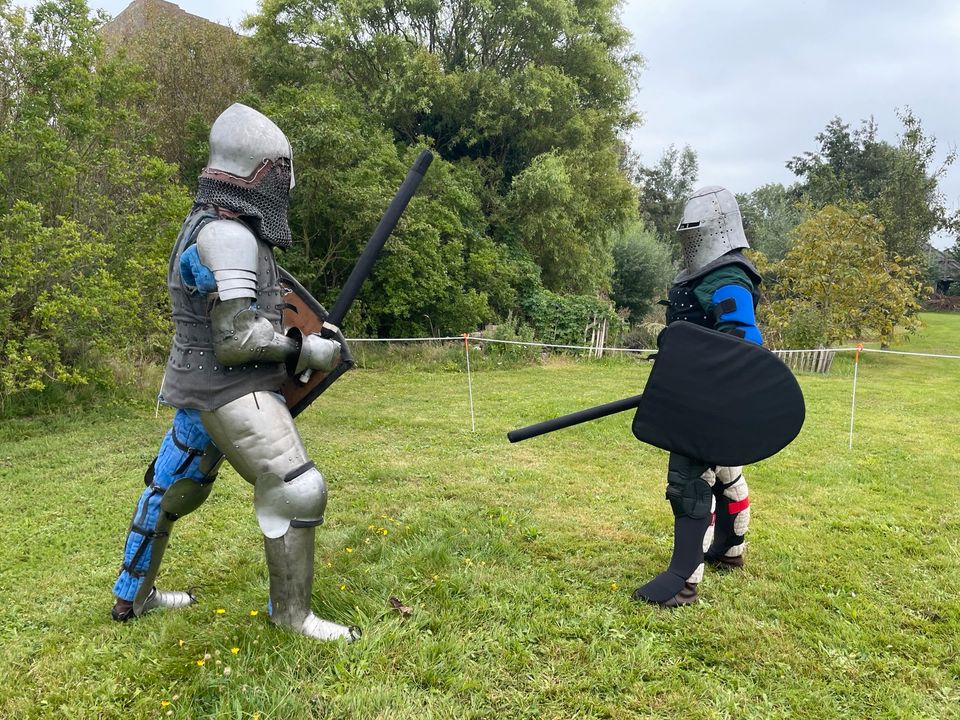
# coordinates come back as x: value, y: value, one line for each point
x: 290, y: 563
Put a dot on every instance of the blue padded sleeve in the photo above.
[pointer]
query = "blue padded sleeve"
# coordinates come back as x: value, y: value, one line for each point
x: 734, y: 304
x: 194, y: 273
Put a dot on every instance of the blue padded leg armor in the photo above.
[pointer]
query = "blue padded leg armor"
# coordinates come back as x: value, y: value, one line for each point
x: 179, y: 457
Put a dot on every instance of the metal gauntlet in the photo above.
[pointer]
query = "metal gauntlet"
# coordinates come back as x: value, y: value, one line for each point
x: 316, y: 352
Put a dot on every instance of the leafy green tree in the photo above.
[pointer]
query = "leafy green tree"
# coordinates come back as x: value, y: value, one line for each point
x: 196, y: 69
x: 567, y: 319
x: 439, y: 271
x: 837, y: 283
x: 525, y: 101
x: 552, y: 212
x: 642, y: 270
x: 899, y: 183
x: 664, y: 188
x: 86, y: 212
x: 507, y: 80
x: 770, y: 213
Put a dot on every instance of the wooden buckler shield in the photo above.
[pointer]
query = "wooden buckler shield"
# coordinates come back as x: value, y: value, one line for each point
x: 302, y: 311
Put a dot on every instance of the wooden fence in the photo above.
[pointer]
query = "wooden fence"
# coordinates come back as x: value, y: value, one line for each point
x: 818, y: 361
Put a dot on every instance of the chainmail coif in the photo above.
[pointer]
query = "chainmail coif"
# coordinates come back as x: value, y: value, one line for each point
x: 262, y: 204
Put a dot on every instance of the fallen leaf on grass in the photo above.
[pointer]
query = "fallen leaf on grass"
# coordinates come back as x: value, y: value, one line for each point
x: 400, y: 607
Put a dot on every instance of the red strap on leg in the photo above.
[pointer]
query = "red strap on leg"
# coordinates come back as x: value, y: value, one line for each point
x: 734, y: 507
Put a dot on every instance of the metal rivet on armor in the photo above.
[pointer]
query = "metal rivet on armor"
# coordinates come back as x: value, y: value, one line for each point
x: 200, y: 367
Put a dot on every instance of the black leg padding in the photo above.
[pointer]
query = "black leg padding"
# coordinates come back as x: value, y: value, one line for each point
x: 687, y: 555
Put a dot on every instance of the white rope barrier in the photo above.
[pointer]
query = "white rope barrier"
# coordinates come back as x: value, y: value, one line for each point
x: 914, y: 354
x: 481, y: 339
x: 497, y: 341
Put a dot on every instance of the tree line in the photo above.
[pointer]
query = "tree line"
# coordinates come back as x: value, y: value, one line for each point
x: 535, y: 216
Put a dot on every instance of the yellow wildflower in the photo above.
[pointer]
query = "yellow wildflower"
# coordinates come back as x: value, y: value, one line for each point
x: 349, y: 549
x: 234, y: 650
x: 164, y: 703
x: 253, y: 613
x: 201, y: 663
x: 220, y: 611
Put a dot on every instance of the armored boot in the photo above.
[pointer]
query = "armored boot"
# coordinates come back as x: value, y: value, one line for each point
x: 290, y: 562
x: 123, y: 610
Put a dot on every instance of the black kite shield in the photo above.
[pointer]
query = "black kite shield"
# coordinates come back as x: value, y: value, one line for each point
x: 718, y: 398
x: 302, y: 311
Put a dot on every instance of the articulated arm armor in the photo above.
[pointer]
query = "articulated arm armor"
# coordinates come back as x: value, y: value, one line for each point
x: 227, y: 251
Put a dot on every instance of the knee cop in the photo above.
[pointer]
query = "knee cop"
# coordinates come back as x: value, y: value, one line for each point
x: 298, y: 499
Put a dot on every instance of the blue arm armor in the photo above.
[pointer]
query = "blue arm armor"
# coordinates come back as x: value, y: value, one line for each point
x: 734, y: 304
x: 194, y: 273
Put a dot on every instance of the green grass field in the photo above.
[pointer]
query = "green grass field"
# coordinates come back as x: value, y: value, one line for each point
x: 518, y: 561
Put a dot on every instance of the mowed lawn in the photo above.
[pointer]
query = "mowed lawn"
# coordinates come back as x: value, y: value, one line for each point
x: 517, y: 560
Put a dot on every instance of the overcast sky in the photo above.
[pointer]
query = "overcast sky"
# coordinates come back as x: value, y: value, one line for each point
x: 749, y: 83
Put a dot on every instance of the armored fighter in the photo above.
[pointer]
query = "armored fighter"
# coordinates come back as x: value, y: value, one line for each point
x: 717, y: 288
x: 229, y: 358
